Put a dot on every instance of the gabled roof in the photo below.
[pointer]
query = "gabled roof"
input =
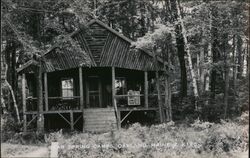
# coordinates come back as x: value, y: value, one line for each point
x: 115, y: 32
x: 26, y: 65
x: 104, y: 46
x: 110, y: 29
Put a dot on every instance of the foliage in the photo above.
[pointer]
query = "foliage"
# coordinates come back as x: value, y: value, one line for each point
x: 132, y: 18
x: 216, y: 32
x: 11, y: 132
x: 151, y: 39
x: 66, y: 43
x: 8, y: 124
x: 53, y: 137
x: 200, y: 139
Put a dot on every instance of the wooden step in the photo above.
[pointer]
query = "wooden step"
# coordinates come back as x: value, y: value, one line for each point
x: 99, y: 119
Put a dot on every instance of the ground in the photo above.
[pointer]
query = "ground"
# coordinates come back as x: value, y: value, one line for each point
x: 228, y: 139
x: 13, y: 150
x: 18, y: 150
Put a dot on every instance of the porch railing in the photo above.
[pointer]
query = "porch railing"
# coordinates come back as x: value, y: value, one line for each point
x: 55, y: 103
x: 122, y: 100
x: 64, y: 103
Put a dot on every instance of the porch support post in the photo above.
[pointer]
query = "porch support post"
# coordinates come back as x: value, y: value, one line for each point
x: 146, y: 88
x: 24, y: 103
x: 114, y: 99
x: 46, y: 91
x: 159, y: 96
x: 39, y: 84
x: 81, y: 88
x: 119, y: 119
x: 71, y: 121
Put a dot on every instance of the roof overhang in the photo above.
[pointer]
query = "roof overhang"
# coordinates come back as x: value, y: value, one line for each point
x: 28, y: 66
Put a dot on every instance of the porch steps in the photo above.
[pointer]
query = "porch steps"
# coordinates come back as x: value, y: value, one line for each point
x: 99, y: 119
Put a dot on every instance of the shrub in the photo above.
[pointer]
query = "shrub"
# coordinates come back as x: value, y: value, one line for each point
x: 53, y: 137
x: 9, y: 127
x: 200, y: 139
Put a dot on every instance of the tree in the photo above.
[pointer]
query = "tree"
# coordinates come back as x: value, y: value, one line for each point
x: 160, y: 42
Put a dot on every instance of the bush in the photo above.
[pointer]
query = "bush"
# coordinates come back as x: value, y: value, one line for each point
x: 9, y: 127
x: 224, y: 137
x: 200, y: 139
x: 53, y: 137
x: 9, y: 124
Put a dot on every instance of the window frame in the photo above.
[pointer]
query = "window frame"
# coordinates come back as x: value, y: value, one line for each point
x: 125, y: 88
x: 73, y: 88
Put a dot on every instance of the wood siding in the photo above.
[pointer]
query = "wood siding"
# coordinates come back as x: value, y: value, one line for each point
x: 110, y: 50
x: 59, y: 59
x: 101, y: 46
x: 96, y: 39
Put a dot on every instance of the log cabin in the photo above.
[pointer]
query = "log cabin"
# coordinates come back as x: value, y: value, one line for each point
x: 116, y: 85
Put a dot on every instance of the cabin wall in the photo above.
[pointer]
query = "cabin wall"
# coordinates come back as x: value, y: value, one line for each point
x: 134, y: 80
x: 54, y: 82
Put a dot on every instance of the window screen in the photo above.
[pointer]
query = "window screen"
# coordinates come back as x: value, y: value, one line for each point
x: 67, y: 88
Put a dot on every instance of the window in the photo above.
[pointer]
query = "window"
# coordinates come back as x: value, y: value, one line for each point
x: 67, y: 88
x: 120, y: 85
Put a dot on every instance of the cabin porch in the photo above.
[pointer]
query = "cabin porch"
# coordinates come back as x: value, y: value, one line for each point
x: 70, y: 95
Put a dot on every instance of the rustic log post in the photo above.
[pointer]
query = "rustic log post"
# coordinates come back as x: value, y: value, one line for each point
x: 87, y: 92
x: 24, y: 103
x: 81, y: 88
x: 46, y: 92
x: 146, y: 88
x: 100, y: 92
x: 114, y: 99
x: 159, y: 96
x: 71, y: 121
x: 119, y: 119
x: 39, y: 83
x: 81, y: 94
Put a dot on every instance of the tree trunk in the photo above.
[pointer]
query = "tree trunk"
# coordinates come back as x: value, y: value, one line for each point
x: 226, y: 69
x: 209, y: 60
x: 13, y: 96
x: 188, y: 54
x: 215, y: 53
x: 168, y: 92
x: 40, y: 118
x: 198, y: 66
x: 3, y: 103
x: 159, y: 96
x: 169, y: 100
x: 13, y: 69
x: 158, y: 86
x: 239, y: 52
x: 234, y: 63
x: 166, y: 97
x: 171, y: 8
x: 201, y: 67
x: 248, y: 58
x: 226, y: 92
x: 14, y: 100
x: 181, y: 57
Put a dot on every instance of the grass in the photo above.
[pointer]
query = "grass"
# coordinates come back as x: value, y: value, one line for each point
x: 170, y: 140
x: 167, y: 140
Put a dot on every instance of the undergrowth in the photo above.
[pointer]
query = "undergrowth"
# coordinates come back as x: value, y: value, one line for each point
x: 167, y: 140
x: 199, y: 139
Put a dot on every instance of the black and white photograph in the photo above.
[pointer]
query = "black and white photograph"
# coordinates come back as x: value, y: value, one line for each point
x: 124, y: 78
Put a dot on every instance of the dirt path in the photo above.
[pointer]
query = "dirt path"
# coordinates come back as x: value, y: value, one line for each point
x: 17, y: 150
x: 243, y: 155
x: 40, y: 152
